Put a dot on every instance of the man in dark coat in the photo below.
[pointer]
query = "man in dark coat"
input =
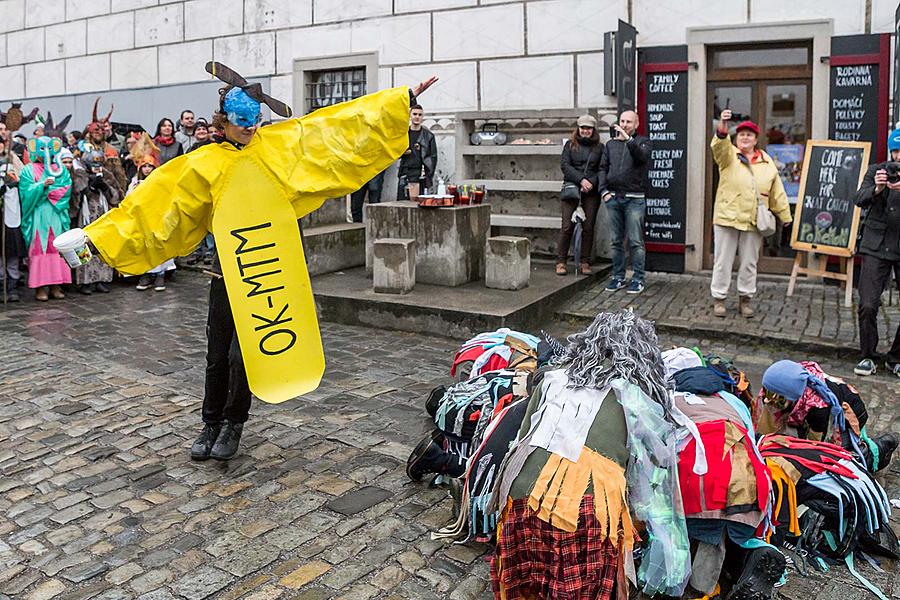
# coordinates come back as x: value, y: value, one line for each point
x: 880, y: 249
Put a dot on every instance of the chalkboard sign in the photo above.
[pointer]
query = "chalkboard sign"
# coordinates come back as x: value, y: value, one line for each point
x: 854, y: 103
x: 666, y: 126
x: 826, y: 220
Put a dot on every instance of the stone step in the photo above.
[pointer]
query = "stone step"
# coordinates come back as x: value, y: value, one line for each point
x: 334, y: 247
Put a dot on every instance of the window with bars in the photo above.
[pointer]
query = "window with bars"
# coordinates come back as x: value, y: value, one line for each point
x: 327, y: 87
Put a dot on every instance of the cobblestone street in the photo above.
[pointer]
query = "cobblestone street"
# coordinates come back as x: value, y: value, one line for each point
x: 100, y: 399
x: 814, y: 316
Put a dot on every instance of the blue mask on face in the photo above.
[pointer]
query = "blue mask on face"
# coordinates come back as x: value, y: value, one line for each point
x: 241, y: 109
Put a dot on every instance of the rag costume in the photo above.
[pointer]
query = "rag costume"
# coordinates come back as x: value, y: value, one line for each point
x: 800, y: 399
x: 728, y: 507
x: 579, y: 476
x: 45, y: 212
x: 96, y: 192
x: 326, y: 154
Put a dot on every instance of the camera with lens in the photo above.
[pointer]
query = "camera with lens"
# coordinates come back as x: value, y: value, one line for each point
x: 893, y: 171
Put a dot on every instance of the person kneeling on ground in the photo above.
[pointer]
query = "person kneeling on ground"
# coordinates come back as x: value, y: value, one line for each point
x: 801, y: 400
x: 727, y: 505
x: 596, y: 433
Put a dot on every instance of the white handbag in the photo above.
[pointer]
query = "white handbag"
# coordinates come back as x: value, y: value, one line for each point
x: 765, y: 220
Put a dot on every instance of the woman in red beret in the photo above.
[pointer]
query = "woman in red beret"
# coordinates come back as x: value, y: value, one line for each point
x: 747, y: 177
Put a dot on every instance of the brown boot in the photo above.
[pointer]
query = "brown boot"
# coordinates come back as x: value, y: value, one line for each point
x: 561, y: 269
x: 586, y: 269
x: 56, y: 293
x: 746, y: 309
x: 41, y: 294
x: 719, y: 308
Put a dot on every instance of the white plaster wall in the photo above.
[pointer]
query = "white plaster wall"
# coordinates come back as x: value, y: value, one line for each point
x: 12, y: 81
x: 310, y: 42
x: 261, y: 15
x: 25, y: 46
x: 420, y: 5
x: 160, y: 25
x: 13, y: 12
x: 228, y: 20
x: 883, y: 16
x: 506, y: 25
x: 65, y: 40
x: 44, y: 12
x: 456, y: 89
x: 552, y: 25
x: 87, y: 73
x: 178, y: 62
x: 79, y: 9
x: 664, y: 22
x: 110, y: 32
x: 590, y: 82
x: 849, y: 15
x: 345, y: 10
x: 134, y: 69
x: 249, y: 55
x: 527, y: 83
x: 2, y: 50
x: 45, y: 78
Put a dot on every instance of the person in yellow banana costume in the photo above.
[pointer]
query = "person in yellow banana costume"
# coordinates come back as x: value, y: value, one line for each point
x: 249, y: 189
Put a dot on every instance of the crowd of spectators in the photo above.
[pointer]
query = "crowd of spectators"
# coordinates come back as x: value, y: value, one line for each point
x: 104, y: 165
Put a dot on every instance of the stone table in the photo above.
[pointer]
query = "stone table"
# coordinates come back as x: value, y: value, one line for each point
x: 450, y: 242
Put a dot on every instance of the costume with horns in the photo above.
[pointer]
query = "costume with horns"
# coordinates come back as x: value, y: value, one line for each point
x: 45, y: 211
x: 51, y: 129
x: 110, y: 151
x: 296, y: 164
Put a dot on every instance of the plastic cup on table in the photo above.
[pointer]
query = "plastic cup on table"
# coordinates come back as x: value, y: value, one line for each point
x: 72, y: 246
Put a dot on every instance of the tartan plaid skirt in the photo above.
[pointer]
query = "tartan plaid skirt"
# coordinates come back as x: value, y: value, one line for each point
x: 536, y: 561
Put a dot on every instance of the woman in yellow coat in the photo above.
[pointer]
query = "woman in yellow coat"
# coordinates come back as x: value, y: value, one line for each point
x: 326, y: 154
x: 747, y: 176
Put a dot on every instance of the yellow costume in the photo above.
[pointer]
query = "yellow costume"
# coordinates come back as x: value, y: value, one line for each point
x: 326, y: 154
x: 286, y: 171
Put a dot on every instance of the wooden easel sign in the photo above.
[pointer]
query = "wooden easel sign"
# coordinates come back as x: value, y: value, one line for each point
x: 826, y: 219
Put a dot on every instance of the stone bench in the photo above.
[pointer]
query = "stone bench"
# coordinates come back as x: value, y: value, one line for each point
x: 394, y: 265
x: 507, y: 263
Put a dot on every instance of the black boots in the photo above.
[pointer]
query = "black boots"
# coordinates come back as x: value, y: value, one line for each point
x: 429, y: 457
x: 763, y: 568
x: 227, y: 443
x: 204, y: 443
x: 434, y: 400
x: 886, y: 444
x: 217, y: 440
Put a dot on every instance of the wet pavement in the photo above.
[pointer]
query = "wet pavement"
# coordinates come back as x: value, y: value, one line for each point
x: 100, y: 399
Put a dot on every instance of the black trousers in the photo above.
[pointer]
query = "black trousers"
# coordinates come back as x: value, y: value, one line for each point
x: 373, y: 188
x: 590, y: 204
x: 873, y: 277
x: 227, y: 391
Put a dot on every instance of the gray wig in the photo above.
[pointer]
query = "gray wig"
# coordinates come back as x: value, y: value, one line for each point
x: 617, y: 345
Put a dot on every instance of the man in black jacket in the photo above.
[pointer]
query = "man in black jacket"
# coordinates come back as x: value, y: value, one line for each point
x: 622, y: 186
x: 880, y: 249
x: 421, y: 156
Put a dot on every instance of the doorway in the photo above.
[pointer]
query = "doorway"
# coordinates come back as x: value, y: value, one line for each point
x: 771, y: 85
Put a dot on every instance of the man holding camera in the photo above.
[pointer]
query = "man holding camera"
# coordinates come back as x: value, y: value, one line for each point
x: 622, y: 183
x: 880, y: 249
